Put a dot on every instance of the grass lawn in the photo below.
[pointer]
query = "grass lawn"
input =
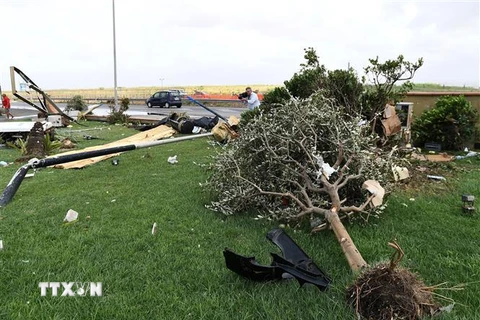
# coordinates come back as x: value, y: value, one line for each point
x: 180, y: 273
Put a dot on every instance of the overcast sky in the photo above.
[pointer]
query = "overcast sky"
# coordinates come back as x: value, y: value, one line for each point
x: 69, y: 43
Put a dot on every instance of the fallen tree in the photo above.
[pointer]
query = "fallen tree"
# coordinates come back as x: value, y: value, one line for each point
x: 304, y: 161
x: 307, y: 160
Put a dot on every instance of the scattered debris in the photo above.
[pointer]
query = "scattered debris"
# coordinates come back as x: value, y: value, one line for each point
x: 327, y: 170
x: 89, y: 137
x: 436, y: 178
x: 400, y: 173
x: 67, y: 144
x: 115, y: 162
x: 71, y: 216
x: 1, y: 244
x: 172, y: 160
x: 145, y: 136
x: 376, y: 190
x: 3, y: 164
x: 295, y: 263
x: 19, y: 175
x: 468, y: 203
x: 448, y: 308
x: 468, y: 155
x: 154, y: 229
x: 46, y: 107
x: 30, y: 175
x: 391, y: 123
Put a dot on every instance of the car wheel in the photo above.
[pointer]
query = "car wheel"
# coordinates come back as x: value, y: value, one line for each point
x: 179, y: 106
x: 167, y: 105
x: 149, y: 105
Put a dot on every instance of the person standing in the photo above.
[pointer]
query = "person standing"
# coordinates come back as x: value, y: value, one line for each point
x: 251, y: 99
x: 6, y: 105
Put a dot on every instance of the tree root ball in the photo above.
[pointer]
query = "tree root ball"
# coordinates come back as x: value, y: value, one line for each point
x: 384, y: 293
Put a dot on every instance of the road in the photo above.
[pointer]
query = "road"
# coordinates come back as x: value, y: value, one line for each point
x: 22, y: 110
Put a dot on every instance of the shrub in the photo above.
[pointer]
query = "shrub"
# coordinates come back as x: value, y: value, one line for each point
x: 119, y: 116
x: 451, y: 123
x: 76, y: 103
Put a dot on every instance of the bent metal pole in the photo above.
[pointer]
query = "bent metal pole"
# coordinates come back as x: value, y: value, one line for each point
x: 18, y: 177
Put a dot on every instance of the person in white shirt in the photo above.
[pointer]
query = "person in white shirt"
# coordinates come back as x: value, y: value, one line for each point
x: 252, y: 99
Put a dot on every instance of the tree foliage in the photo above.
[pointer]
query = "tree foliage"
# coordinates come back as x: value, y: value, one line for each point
x: 384, y: 77
x: 352, y: 94
x: 278, y: 164
x: 119, y: 116
x: 452, y: 123
x: 76, y: 103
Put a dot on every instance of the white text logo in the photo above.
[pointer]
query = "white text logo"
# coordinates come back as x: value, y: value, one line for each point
x: 71, y: 289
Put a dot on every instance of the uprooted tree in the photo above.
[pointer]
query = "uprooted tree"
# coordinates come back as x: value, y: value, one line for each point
x: 308, y: 155
x: 302, y: 161
x: 306, y: 160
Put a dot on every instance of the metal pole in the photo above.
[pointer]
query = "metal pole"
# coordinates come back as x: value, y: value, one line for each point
x: 114, y: 58
x: 161, y: 79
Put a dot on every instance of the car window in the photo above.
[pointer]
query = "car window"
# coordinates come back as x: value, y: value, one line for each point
x: 156, y: 95
x: 163, y: 94
x: 175, y: 94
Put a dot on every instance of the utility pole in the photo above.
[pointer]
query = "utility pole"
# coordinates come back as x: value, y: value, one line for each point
x: 161, y: 79
x: 114, y: 58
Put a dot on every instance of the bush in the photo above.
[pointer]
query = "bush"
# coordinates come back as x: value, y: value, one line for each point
x: 118, y: 116
x: 76, y: 103
x: 451, y: 123
x: 345, y: 87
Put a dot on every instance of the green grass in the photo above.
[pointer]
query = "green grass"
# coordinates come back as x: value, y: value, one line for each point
x: 180, y: 273
x: 433, y: 87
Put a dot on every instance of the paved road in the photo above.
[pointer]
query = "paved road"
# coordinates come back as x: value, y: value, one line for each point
x: 23, y: 111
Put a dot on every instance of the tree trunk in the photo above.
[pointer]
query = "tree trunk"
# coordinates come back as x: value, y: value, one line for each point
x: 351, y: 252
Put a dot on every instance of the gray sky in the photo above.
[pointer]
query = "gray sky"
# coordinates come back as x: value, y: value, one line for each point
x: 69, y: 44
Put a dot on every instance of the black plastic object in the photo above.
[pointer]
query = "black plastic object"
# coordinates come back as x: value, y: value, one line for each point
x: 294, y: 262
x: 250, y: 268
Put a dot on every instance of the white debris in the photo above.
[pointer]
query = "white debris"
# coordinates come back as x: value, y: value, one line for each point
x: 72, y: 215
x: 375, y: 189
x: 400, y: 173
x: 448, y: 308
x: 436, y: 178
x: 172, y: 160
x: 468, y: 155
x: 3, y: 164
x: 154, y: 228
x: 1, y: 244
x: 327, y: 170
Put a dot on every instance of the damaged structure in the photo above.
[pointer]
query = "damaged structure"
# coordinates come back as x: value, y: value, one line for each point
x: 46, y: 107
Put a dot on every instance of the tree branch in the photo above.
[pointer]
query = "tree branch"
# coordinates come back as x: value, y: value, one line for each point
x: 357, y: 209
x: 278, y: 194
